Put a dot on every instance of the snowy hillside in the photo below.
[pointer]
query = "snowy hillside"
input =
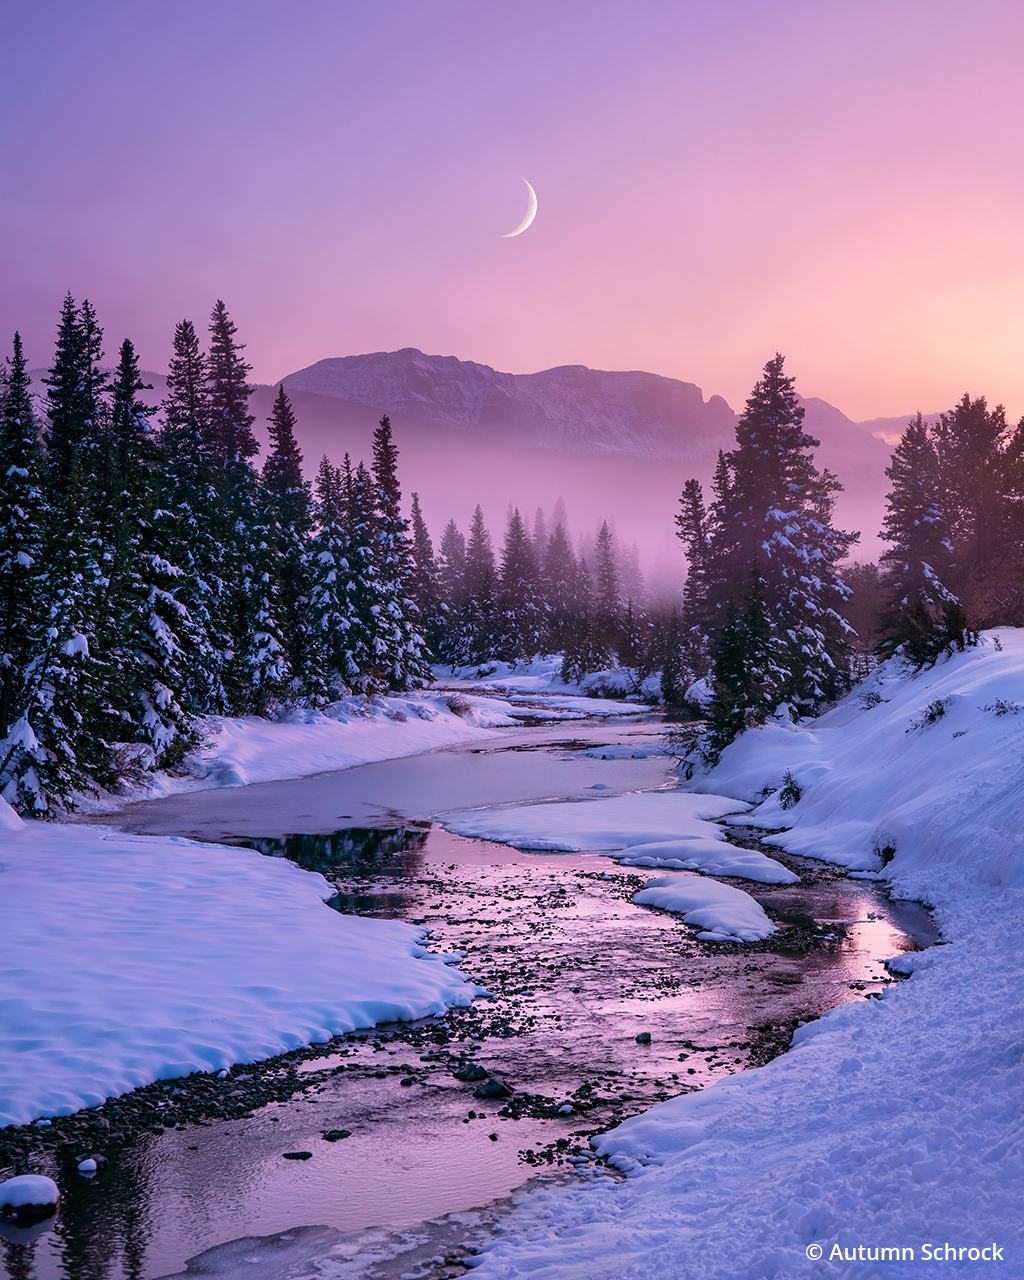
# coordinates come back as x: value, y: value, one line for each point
x: 896, y: 1124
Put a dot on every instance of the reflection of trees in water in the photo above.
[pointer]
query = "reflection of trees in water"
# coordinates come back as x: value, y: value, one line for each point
x: 18, y: 1260
x: 387, y: 906
x: 357, y: 850
x: 103, y: 1227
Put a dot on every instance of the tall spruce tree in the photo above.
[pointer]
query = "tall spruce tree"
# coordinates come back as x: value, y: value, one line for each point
x: 607, y: 606
x: 143, y: 632
x: 693, y: 530
x: 921, y: 617
x: 53, y: 750
x: 480, y: 607
x: 21, y: 532
x: 520, y: 614
x: 774, y: 590
x: 192, y: 502
x: 674, y: 673
x: 255, y: 665
x: 398, y: 659
x: 332, y: 625
x: 974, y: 453
x: 452, y: 646
x: 425, y: 584
x: 230, y: 417
x: 290, y: 501
x: 586, y: 648
x: 559, y: 584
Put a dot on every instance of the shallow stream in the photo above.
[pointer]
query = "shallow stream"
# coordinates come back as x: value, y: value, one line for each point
x: 576, y: 973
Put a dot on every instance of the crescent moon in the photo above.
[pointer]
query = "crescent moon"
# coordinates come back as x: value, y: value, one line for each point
x: 531, y: 213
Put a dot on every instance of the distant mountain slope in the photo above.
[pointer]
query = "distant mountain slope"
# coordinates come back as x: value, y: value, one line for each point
x: 612, y: 444
x: 569, y: 408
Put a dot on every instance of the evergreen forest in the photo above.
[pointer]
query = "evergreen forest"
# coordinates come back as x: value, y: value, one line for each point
x: 152, y: 574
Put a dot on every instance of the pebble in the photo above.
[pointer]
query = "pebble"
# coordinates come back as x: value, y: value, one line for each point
x: 470, y: 1071
x: 335, y: 1135
x: 492, y: 1089
x: 644, y: 1037
x: 297, y: 1155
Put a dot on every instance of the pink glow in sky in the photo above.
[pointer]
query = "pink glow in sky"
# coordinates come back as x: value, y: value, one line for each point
x: 841, y: 180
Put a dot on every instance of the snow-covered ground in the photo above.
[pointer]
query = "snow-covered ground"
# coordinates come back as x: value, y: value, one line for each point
x: 599, y: 693
x: 241, y: 749
x: 892, y: 1134
x: 127, y: 959
x: 669, y: 829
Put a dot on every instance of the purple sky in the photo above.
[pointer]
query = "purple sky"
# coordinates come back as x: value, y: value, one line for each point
x: 842, y: 181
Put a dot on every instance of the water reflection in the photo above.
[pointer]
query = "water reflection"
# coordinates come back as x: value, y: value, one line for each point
x: 353, y: 850
x: 102, y: 1231
x: 567, y: 948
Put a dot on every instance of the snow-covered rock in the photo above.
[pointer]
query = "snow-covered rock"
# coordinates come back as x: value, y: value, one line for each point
x: 28, y: 1197
x: 713, y: 857
x: 725, y: 913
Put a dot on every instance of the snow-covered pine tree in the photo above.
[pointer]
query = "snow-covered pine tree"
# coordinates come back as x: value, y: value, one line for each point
x: 558, y: 588
x: 521, y: 617
x: 479, y: 610
x: 52, y: 750
x: 21, y: 532
x: 607, y: 605
x: 921, y: 617
x: 142, y: 630
x: 230, y: 418
x: 256, y: 672
x: 453, y: 643
x: 693, y: 530
x: 328, y: 668
x: 290, y: 502
x: 674, y: 673
x: 361, y: 528
x: 633, y: 651
x: 585, y: 646
x: 397, y: 658
x: 772, y: 562
x: 192, y: 509
x: 425, y: 584
x: 747, y: 678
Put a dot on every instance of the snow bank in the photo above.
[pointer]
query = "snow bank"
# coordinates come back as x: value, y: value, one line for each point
x: 925, y: 769
x: 892, y: 1124
x: 713, y: 857
x: 726, y: 913
x: 355, y: 731
x: 130, y: 959
x: 601, y: 693
x: 616, y: 823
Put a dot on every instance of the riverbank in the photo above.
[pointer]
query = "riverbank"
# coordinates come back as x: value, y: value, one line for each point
x: 578, y: 972
x: 130, y: 959
x: 895, y: 1123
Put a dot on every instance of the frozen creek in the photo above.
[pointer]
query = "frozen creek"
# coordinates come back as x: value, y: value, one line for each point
x: 576, y: 970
